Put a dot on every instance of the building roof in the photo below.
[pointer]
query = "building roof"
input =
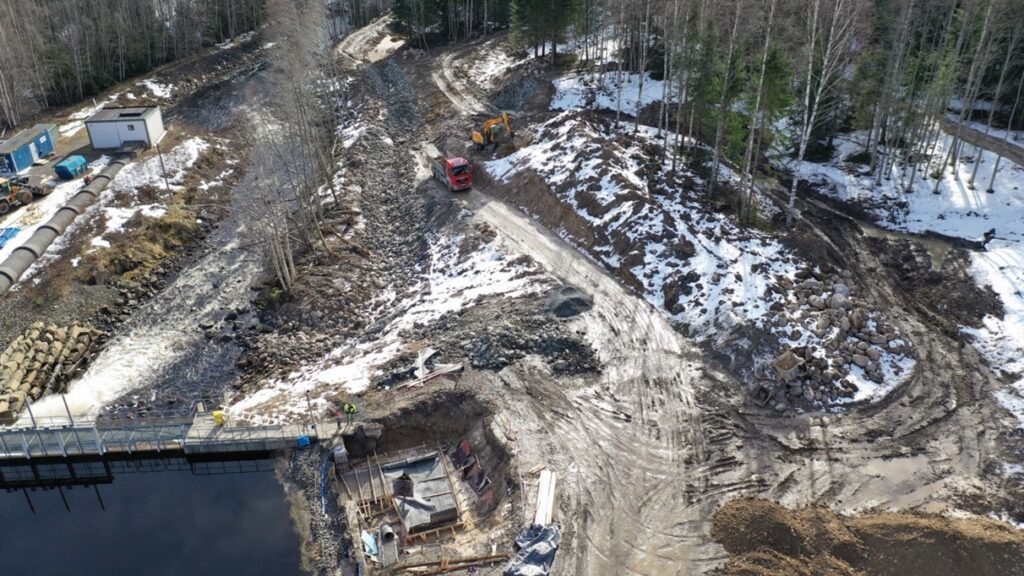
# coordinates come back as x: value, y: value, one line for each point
x: 113, y: 114
x: 23, y: 137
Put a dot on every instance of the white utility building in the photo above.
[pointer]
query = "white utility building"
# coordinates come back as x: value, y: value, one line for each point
x: 116, y: 127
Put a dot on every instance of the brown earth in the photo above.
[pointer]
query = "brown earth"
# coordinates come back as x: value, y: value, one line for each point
x: 763, y: 538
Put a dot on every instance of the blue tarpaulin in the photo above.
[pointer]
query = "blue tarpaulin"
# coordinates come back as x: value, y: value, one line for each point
x: 536, y: 547
x: 6, y: 234
x: 369, y: 543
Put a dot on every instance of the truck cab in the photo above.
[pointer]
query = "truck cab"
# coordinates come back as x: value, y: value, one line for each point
x: 456, y: 173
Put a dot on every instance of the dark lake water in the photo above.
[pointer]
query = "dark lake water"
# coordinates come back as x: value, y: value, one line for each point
x: 169, y: 522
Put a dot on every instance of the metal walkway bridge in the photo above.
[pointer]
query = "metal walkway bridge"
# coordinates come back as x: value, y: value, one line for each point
x: 191, y: 434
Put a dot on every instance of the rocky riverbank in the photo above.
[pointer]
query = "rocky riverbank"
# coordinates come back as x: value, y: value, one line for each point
x: 43, y: 359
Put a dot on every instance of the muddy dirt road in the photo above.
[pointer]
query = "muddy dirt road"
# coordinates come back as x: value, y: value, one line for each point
x: 655, y: 444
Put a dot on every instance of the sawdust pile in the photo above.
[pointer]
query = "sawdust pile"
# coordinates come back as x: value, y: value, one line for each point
x: 765, y: 539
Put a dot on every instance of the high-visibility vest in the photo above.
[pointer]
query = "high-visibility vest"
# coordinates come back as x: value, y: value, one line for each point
x: 349, y: 408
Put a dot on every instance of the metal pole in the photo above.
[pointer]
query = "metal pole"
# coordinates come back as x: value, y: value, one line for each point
x: 163, y: 168
x: 68, y: 410
x: 309, y: 406
x: 72, y: 421
x: 99, y: 443
x: 30, y: 415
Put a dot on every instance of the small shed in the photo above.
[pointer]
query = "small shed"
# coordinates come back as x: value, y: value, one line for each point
x: 116, y: 127
x: 19, y: 153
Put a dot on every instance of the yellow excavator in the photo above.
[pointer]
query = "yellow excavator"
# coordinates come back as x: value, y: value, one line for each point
x: 493, y: 131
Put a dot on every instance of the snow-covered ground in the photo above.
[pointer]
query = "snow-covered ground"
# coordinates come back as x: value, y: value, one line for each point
x: 580, y: 90
x: 496, y: 64
x: 157, y: 89
x: 709, y: 275
x: 956, y: 210
x: 604, y: 187
x: 960, y: 212
x: 122, y: 191
x: 451, y: 283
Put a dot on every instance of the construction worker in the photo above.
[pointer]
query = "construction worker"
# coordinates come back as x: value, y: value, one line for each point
x: 350, y: 410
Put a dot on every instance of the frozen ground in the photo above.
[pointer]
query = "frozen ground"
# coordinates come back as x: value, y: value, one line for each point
x: 960, y: 212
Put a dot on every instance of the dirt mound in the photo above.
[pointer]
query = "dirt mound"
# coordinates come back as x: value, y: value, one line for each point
x: 764, y: 538
x: 566, y: 301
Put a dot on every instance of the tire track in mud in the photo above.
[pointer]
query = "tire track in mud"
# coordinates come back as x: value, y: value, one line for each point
x: 460, y: 95
x: 643, y: 465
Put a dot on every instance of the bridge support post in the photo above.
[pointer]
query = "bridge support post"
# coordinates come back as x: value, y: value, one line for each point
x: 24, y: 446
x: 100, y: 449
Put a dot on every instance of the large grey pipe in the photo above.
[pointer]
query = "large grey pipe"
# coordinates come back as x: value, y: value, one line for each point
x: 25, y: 255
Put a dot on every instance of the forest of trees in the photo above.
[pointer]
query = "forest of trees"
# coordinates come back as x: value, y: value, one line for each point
x: 756, y: 77
x: 56, y: 52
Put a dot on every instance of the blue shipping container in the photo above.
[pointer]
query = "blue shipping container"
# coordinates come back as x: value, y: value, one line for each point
x: 70, y: 167
x: 18, y: 153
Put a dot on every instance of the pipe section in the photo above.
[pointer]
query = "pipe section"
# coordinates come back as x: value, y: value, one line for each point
x: 25, y: 255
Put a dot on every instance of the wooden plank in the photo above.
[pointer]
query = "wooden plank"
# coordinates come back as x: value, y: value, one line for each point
x: 545, y: 498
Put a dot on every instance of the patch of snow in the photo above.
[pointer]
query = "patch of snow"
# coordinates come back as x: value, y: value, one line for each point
x: 176, y: 161
x: 351, y: 134
x: 601, y: 92
x: 157, y: 89
x: 78, y: 119
x: 450, y: 283
x: 494, y: 65
x: 960, y: 212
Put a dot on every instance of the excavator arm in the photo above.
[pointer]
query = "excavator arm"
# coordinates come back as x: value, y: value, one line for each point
x: 490, y: 132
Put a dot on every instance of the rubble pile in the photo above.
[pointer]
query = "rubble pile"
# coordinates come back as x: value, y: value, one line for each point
x: 43, y: 359
x: 494, y: 336
x: 828, y: 333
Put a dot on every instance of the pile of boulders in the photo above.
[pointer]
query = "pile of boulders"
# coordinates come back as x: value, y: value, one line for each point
x: 44, y: 358
x: 827, y: 331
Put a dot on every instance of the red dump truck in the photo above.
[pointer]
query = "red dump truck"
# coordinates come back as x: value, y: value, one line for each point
x: 456, y: 174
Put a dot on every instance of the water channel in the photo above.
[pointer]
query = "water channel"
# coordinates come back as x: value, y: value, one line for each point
x: 159, y: 518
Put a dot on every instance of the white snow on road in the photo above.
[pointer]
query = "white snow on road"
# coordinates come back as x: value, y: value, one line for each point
x: 956, y: 211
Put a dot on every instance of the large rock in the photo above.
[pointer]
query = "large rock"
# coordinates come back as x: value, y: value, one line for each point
x: 838, y: 302
x: 788, y: 365
x: 860, y: 360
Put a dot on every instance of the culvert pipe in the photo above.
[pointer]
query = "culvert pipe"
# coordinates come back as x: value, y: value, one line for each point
x: 40, y: 241
x: 16, y: 264
x: 25, y: 255
x: 60, y: 221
